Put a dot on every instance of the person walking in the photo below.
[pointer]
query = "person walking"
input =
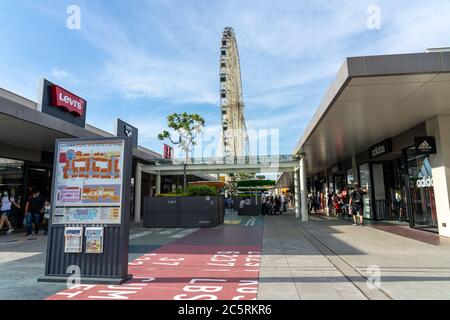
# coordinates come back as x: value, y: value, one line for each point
x: 46, y: 215
x: 33, y: 210
x: 283, y: 202
x: 310, y: 203
x: 5, y: 210
x: 357, y: 204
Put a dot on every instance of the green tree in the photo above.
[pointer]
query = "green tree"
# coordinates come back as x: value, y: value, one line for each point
x: 187, y: 127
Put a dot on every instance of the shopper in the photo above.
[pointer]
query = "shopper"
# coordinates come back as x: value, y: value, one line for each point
x: 330, y: 202
x: 277, y: 205
x: 46, y: 215
x: 242, y: 203
x: 336, y: 205
x: 310, y: 202
x: 5, y: 210
x: 283, y: 202
x: 33, y: 211
x: 357, y: 204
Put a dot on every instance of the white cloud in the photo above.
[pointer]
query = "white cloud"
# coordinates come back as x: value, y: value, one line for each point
x: 169, y: 50
x: 59, y: 73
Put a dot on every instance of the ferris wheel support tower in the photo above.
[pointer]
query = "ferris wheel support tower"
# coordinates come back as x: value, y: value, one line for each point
x: 234, y: 139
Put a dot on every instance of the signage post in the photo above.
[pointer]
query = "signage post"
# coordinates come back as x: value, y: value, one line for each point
x: 124, y: 129
x: 89, y: 219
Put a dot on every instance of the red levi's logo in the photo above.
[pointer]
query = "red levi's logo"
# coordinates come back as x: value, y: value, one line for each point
x: 68, y: 101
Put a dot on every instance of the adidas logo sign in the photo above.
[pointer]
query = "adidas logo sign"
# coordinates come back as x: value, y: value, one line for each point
x: 424, y: 146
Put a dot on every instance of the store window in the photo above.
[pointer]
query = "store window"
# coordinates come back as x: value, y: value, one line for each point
x: 331, y: 184
x: 423, y: 208
x: 398, y: 193
x: 364, y: 177
x: 350, y: 178
x: 11, y: 176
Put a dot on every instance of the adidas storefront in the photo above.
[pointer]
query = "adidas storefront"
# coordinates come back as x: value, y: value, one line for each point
x: 405, y: 178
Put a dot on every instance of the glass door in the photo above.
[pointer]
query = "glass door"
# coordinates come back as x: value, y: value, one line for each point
x: 423, y: 206
x: 365, y: 182
x: 379, y: 191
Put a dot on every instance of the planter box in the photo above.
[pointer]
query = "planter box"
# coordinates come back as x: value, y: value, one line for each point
x: 183, y: 212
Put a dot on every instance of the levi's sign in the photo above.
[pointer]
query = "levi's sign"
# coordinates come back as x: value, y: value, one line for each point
x: 380, y: 148
x: 68, y: 101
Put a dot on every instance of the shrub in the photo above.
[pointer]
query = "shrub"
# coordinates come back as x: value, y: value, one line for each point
x: 192, y: 191
x: 202, y: 191
x: 172, y: 195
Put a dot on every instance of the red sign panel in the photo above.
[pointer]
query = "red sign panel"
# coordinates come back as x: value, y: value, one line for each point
x: 168, y: 152
x: 68, y: 101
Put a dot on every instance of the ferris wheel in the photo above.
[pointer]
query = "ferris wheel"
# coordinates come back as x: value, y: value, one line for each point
x: 234, y: 131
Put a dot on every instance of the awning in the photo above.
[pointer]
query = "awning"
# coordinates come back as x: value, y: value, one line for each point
x: 374, y: 98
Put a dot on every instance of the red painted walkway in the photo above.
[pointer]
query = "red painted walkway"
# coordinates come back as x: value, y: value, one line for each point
x: 210, y: 264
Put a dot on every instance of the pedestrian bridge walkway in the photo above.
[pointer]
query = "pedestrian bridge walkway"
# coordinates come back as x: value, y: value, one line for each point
x: 225, y: 165
x: 215, y: 165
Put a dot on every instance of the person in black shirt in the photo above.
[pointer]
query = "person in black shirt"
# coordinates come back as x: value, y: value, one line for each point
x: 357, y: 204
x: 33, y: 211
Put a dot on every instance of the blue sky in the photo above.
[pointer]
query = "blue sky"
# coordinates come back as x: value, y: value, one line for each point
x: 142, y: 60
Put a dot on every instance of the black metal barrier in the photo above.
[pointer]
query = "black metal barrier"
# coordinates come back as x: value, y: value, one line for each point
x: 183, y: 212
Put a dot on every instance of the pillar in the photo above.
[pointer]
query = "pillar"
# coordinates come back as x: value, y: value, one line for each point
x: 150, y: 182
x: 137, y: 193
x: 355, y: 170
x: 158, y: 183
x: 297, y: 194
x: 439, y: 127
x: 303, y: 197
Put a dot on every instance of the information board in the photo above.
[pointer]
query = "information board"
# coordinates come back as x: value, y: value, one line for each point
x: 88, y: 182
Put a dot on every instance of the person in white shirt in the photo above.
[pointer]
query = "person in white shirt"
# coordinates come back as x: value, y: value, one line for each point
x: 283, y: 202
x: 5, y: 211
x: 242, y: 203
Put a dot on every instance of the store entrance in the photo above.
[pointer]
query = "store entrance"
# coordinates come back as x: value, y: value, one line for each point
x: 423, y: 208
x: 39, y: 177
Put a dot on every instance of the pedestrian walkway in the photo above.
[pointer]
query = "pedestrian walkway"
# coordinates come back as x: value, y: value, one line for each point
x: 331, y: 259
x: 271, y: 257
x: 215, y: 263
x: 22, y: 260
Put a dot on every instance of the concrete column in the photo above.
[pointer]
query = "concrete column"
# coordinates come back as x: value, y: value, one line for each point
x: 355, y: 170
x: 137, y: 193
x: 296, y: 194
x: 304, y: 202
x: 150, y: 182
x: 158, y: 183
x: 439, y: 127
x: 327, y: 189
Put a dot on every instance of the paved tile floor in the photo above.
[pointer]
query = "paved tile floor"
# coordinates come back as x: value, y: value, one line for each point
x: 319, y: 259
x: 331, y: 259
